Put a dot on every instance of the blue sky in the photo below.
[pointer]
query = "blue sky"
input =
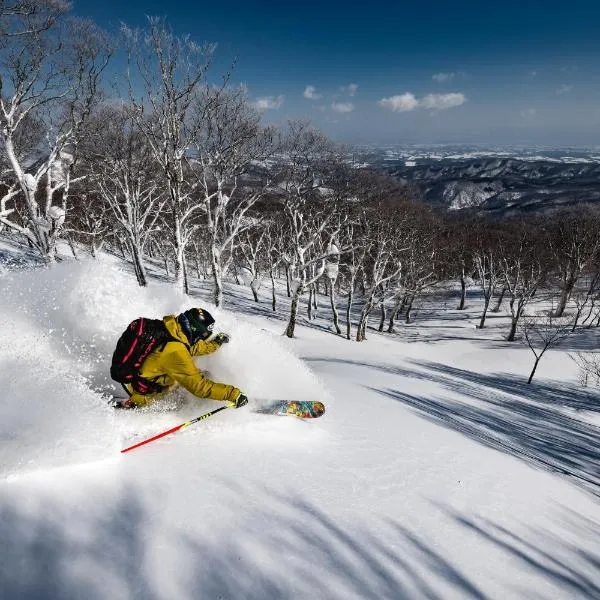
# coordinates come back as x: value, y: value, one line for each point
x: 501, y: 72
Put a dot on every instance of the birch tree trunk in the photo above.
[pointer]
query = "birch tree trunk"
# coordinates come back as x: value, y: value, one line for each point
x: 500, y: 300
x: 513, y: 325
x: 178, y: 243
x: 217, y: 280
x: 349, y: 311
x: 334, y: 310
x: 273, y: 296
x: 361, y: 331
x: 383, y: 316
x: 486, y: 304
x: 409, y: 307
x: 463, y: 291
x: 564, y: 297
x: 291, y: 326
x: 393, y: 315
x: 138, y: 264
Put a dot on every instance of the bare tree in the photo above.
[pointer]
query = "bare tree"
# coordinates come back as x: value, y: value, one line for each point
x: 26, y: 18
x: 586, y: 299
x: 521, y: 263
x: 419, y: 255
x: 487, y: 266
x: 574, y: 242
x: 89, y: 222
x: 543, y: 333
x: 589, y: 367
x: 458, y: 234
x: 273, y: 249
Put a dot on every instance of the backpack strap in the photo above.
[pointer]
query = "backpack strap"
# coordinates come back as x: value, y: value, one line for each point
x: 135, y: 341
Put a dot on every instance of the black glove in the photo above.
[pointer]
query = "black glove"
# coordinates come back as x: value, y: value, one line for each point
x: 241, y: 401
x: 221, y: 338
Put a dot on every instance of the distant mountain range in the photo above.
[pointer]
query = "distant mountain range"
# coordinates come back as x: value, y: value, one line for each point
x: 502, y: 182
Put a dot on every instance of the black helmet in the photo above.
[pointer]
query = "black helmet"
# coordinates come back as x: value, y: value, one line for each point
x: 197, y: 324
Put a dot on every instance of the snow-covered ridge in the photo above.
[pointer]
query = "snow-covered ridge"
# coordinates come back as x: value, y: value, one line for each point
x: 498, y: 181
x: 419, y: 153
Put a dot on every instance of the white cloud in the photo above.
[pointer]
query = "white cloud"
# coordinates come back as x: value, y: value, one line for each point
x: 268, y: 102
x: 311, y: 92
x: 400, y: 103
x: 528, y: 112
x: 406, y: 102
x: 441, y: 77
x: 350, y: 89
x: 564, y: 89
x: 342, y: 107
x: 442, y: 101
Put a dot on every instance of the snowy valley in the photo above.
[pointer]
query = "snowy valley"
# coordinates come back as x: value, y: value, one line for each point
x: 501, y: 182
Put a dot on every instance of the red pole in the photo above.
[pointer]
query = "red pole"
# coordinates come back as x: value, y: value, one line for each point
x: 176, y: 428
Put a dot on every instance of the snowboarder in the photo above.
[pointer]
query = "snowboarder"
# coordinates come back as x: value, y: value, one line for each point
x: 154, y: 355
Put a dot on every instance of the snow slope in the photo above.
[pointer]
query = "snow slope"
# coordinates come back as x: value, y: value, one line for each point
x: 435, y: 473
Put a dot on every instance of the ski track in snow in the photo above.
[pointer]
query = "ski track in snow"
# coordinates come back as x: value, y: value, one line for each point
x: 431, y: 475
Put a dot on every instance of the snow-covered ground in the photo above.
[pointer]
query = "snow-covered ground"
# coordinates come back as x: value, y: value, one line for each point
x: 436, y: 472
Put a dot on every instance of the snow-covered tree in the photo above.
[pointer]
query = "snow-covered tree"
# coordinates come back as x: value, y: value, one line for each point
x: 229, y: 146
x: 166, y: 73
x: 251, y: 248
x: 274, y: 244
x: 352, y: 262
x: 49, y: 86
x: 332, y: 271
x: 381, y: 264
x: 122, y: 168
x: 420, y: 256
x: 309, y: 161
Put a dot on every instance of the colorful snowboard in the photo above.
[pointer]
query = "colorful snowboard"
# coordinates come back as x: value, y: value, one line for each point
x: 304, y: 409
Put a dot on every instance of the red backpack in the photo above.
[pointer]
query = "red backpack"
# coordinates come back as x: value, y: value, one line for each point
x: 142, y: 337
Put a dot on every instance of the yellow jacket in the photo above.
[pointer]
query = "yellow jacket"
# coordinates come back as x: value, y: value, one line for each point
x: 174, y: 364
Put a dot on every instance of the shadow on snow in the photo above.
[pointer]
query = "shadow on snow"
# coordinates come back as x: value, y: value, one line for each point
x: 531, y: 422
x: 283, y: 546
